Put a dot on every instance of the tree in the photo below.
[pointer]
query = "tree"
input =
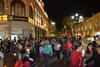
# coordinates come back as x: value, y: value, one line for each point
x: 68, y: 22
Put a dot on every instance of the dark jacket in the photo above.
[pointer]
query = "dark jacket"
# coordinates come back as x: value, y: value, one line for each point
x: 96, y: 58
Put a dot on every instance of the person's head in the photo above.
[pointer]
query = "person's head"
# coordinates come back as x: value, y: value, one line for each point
x: 42, y: 43
x: 46, y: 42
x: 89, y: 48
x: 58, y: 42
x: 20, y: 46
x: 79, y: 46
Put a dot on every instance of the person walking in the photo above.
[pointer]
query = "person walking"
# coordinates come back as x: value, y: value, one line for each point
x: 68, y: 47
x: 89, y: 55
x: 76, y: 59
x: 96, y: 55
x: 41, y: 50
x: 47, y: 52
x: 57, y: 48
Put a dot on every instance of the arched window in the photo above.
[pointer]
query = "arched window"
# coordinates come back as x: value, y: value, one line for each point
x: 30, y: 12
x: 1, y: 7
x: 18, y: 8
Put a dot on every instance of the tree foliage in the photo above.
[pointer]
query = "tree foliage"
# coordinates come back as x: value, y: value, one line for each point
x: 67, y: 21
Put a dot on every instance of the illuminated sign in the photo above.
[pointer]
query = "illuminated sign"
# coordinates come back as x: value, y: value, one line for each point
x: 17, y: 18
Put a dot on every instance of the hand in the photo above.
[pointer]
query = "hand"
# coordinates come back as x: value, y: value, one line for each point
x: 27, y: 55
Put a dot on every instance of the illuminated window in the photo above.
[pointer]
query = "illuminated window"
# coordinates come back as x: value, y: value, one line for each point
x: 18, y: 8
x: 30, y: 12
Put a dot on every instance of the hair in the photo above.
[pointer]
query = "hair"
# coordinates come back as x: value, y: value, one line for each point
x: 88, y: 51
x: 79, y: 44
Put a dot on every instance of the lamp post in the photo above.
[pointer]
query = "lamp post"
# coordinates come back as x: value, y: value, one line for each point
x: 77, y: 19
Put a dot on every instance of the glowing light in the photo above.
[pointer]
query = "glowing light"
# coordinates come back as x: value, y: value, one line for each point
x: 72, y: 17
x: 31, y: 20
x: 76, y: 14
x: 81, y: 17
x: 4, y: 17
x: 53, y: 23
x: 15, y: 54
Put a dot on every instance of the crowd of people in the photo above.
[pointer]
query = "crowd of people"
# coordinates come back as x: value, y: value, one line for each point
x: 26, y: 52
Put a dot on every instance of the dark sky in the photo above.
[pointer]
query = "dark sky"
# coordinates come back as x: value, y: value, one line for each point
x: 58, y: 9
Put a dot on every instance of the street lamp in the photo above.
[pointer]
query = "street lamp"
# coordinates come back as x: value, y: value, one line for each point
x: 80, y: 17
x: 76, y: 14
x: 77, y: 18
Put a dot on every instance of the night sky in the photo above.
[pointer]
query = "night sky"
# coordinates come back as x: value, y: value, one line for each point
x: 58, y: 9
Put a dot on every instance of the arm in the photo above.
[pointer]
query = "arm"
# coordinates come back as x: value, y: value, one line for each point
x: 51, y: 49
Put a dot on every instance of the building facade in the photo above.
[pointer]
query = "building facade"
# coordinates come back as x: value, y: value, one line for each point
x: 22, y: 19
x: 90, y: 26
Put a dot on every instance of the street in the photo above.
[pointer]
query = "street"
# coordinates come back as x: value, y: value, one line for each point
x: 30, y: 29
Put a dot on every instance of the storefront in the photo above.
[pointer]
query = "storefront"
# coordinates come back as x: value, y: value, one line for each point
x: 15, y: 27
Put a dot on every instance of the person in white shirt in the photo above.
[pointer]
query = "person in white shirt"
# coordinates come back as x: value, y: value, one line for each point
x: 57, y: 48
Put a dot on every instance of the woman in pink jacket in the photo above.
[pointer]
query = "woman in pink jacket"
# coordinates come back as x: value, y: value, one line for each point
x: 76, y: 59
